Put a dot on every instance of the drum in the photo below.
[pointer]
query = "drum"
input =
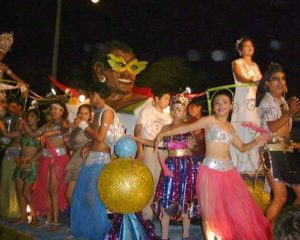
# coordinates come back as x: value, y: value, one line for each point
x: 282, y: 163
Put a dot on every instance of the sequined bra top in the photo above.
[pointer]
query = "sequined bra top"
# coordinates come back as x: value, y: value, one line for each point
x: 218, y: 135
x: 58, y: 127
x: 176, y: 141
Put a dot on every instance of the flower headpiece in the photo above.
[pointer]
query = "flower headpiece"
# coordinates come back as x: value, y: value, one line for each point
x: 238, y: 43
x: 6, y: 41
x: 179, y: 99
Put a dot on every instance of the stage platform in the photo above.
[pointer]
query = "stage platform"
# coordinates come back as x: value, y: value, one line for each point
x: 9, y: 231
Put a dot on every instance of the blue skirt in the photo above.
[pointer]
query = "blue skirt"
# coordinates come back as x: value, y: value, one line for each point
x: 88, y: 214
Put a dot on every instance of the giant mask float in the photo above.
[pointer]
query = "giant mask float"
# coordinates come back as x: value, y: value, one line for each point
x: 117, y: 66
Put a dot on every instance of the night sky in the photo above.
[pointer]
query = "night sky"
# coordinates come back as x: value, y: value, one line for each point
x: 190, y: 29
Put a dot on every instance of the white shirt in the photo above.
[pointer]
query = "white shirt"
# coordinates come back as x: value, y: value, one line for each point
x: 153, y: 121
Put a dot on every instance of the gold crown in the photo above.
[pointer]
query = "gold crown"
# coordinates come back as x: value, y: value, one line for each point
x: 6, y: 41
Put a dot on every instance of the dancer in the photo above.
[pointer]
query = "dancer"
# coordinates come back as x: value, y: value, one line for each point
x: 78, y: 139
x: 227, y: 208
x: 88, y: 214
x: 26, y: 170
x: 276, y: 116
x: 245, y: 70
x: 48, y: 196
x: 6, y: 41
x: 175, y: 191
x: 9, y: 207
x: 149, y: 123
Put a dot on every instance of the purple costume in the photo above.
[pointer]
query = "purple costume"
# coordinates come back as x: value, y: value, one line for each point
x: 177, y: 195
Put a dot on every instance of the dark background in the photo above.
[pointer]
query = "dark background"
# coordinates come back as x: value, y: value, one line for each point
x: 154, y: 29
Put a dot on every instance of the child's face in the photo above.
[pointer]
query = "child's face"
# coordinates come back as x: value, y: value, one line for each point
x: 56, y: 111
x: 84, y: 114
x: 178, y: 111
x: 222, y: 105
x: 164, y: 101
x: 194, y: 110
x: 32, y: 118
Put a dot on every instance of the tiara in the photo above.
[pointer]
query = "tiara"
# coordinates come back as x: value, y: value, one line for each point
x: 237, y: 43
x: 6, y: 41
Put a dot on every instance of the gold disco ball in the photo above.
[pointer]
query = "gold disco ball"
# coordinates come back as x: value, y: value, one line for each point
x: 125, y: 186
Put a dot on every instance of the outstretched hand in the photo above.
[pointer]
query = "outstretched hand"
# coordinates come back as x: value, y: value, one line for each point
x: 263, y: 138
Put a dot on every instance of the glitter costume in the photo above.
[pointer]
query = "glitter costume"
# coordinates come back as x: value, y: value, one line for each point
x: 176, y: 194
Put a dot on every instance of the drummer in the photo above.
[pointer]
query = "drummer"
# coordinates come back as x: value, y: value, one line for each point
x: 276, y: 116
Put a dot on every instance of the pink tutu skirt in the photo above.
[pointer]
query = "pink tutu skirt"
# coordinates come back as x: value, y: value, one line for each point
x: 227, y: 206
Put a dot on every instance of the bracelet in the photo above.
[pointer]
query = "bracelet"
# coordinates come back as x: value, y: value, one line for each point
x: 83, y: 125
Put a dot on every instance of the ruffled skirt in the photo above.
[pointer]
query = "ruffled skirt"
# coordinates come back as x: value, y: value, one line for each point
x: 227, y: 206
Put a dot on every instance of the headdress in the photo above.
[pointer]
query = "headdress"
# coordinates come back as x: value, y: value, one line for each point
x: 238, y: 44
x: 6, y: 41
x: 179, y: 99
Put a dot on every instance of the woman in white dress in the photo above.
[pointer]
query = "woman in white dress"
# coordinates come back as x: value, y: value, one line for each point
x: 245, y: 71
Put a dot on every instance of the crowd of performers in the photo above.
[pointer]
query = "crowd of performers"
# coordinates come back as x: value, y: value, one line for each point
x: 196, y: 161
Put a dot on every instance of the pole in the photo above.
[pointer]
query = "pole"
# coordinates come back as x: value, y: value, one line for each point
x: 56, y: 40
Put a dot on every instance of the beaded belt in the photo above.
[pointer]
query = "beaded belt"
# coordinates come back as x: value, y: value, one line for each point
x: 217, y: 164
x: 278, y: 147
x: 60, y: 152
x: 180, y: 152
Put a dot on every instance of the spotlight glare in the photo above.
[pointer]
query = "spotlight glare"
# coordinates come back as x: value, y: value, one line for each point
x: 53, y: 91
x: 81, y: 98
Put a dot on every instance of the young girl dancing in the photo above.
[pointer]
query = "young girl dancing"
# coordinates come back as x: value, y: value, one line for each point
x: 26, y: 170
x: 227, y: 208
x: 175, y: 191
x: 48, y: 195
x: 78, y: 139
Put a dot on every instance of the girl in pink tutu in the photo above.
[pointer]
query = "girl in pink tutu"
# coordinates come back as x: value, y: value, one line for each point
x: 227, y: 208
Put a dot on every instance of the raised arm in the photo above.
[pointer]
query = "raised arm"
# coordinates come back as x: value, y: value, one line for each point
x: 22, y: 84
x: 36, y: 133
x: 184, y: 128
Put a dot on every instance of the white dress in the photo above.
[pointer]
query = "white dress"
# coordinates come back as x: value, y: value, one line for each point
x: 244, y: 109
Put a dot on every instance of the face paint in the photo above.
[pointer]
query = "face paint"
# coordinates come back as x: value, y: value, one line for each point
x: 118, y: 64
